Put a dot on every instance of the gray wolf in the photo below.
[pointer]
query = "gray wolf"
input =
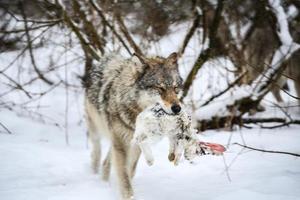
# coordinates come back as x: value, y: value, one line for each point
x: 116, y: 91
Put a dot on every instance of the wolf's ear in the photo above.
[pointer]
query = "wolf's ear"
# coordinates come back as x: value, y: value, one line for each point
x: 141, y: 58
x: 139, y: 63
x: 172, y: 58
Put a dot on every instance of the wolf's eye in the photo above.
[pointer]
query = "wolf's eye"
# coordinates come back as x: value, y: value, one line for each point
x: 177, y: 90
x: 160, y: 89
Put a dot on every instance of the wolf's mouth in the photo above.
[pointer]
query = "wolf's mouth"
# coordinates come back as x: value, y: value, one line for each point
x: 159, y: 110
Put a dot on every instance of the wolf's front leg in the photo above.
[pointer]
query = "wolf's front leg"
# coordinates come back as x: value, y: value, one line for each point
x: 120, y: 159
x: 107, y: 166
x: 134, y: 155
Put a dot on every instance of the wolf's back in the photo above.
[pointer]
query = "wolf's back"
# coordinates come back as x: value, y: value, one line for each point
x: 100, y: 76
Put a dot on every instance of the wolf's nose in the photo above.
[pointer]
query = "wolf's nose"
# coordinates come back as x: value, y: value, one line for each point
x: 176, y: 108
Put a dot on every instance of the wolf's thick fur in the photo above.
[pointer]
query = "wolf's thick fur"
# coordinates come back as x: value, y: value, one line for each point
x: 117, y: 90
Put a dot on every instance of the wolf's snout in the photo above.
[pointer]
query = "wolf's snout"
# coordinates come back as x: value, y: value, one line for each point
x: 176, y: 108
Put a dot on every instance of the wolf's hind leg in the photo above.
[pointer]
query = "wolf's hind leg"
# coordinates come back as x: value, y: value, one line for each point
x: 107, y: 166
x: 96, y: 145
x: 96, y: 154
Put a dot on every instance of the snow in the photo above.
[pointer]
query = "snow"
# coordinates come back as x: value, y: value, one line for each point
x: 37, y: 164
x: 284, y: 33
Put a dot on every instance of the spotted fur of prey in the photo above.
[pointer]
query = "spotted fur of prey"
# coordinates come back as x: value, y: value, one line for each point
x: 154, y: 123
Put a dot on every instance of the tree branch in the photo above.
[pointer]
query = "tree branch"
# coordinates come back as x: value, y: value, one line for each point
x: 267, y: 151
x: 207, y: 53
x: 100, y: 13
x: 203, y: 57
x: 190, y: 33
x: 29, y: 29
x: 34, y: 21
x: 89, y: 28
x: 36, y: 69
x: 222, y: 122
x: 17, y: 85
x: 5, y: 128
x: 237, y: 80
x: 84, y: 43
x: 127, y: 34
x: 283, y: 53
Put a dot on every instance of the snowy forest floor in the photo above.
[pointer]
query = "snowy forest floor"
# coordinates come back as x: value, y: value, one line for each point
x: 37, y: 164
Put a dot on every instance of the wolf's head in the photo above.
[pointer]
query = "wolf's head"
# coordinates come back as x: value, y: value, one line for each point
x: 159, y: 81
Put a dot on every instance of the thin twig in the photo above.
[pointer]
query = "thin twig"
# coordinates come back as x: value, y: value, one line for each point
x: 25, y: 112
x: 5, y: 128
x: 267, y: 151
x: 29, y: 29
x: 100, y: 13
x: 233, y: 160
x: 207, y: 53
x: 67, y: 98
x: 90, y: 30
x: 127, y: 34
x: 274, y: 83
x: 221, y: 122
x: 190, y: 33
x: 34, y: 21
x: 276, y: 126
x: 82, y: 38
x: 25, y: 48
x: 228, y: 88
x: 41, y: 76
x: 17, y: 85
x: 226, y: 168
x: 293, y: 96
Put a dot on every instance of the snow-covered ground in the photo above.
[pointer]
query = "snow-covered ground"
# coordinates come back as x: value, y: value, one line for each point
x: 37, y: 164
